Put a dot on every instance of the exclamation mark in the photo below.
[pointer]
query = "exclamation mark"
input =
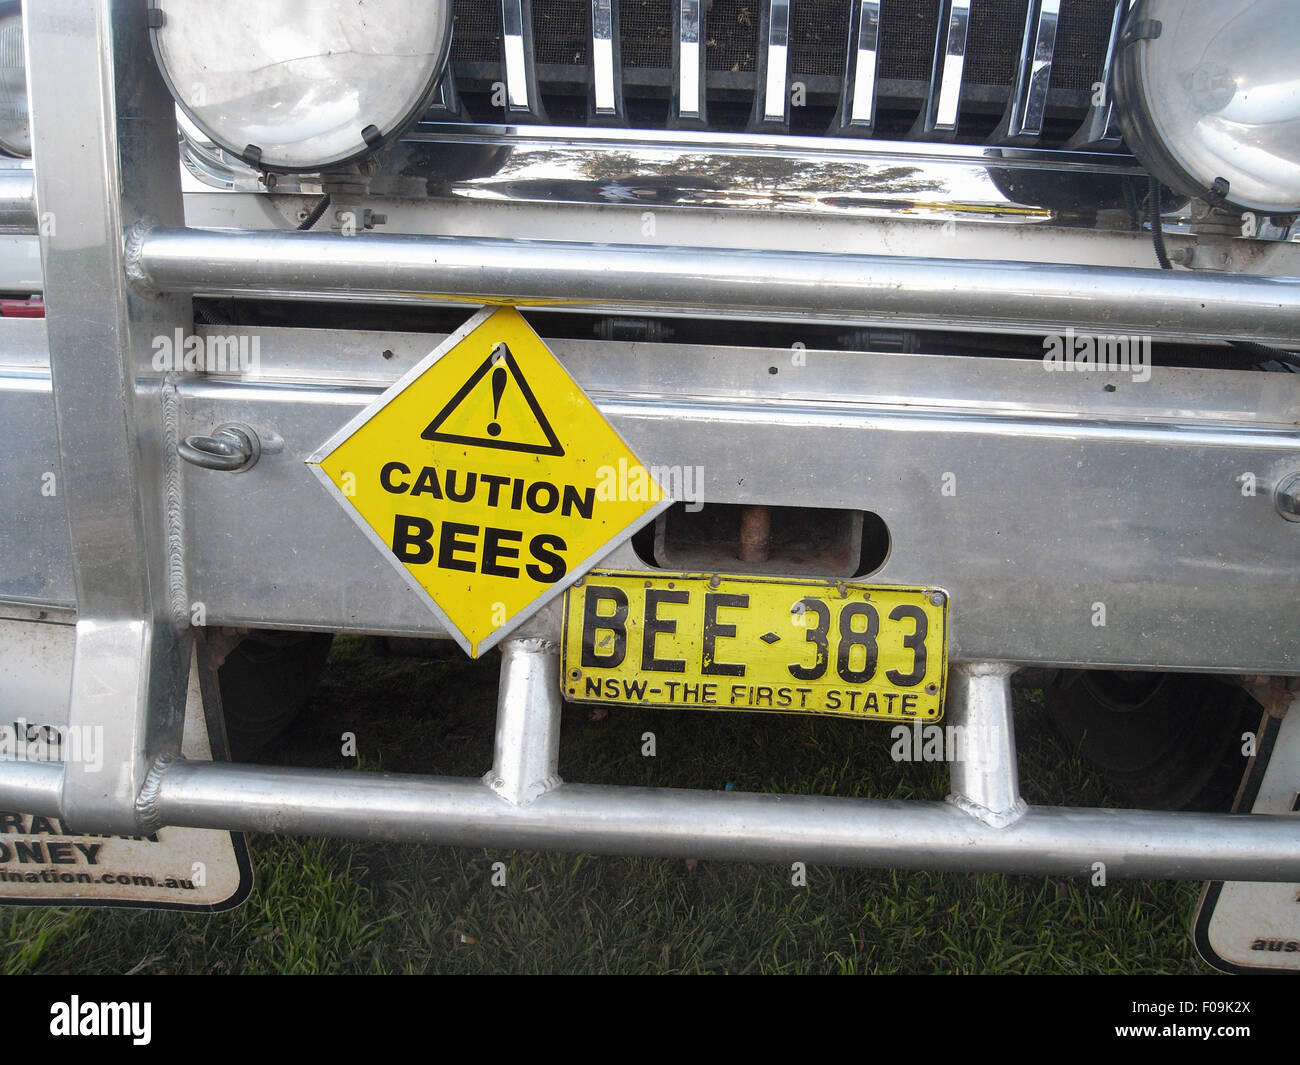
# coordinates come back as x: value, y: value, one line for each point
x: 498, y: 390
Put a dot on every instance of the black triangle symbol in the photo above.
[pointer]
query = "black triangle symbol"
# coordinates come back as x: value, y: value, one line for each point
x: 501, y: 353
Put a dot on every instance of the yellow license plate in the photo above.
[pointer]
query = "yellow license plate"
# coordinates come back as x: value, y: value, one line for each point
x: 787, y: 645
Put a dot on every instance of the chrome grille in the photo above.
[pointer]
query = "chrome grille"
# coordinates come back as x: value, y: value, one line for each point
x: 911, y: 38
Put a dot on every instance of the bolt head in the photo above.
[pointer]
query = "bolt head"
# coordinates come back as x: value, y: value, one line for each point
x: 1286, y: 497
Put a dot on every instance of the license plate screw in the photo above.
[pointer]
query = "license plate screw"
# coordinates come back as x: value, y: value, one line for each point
x: 714, y: 581
x: 575, y: 673
x: 580, y: 582
x: 930, y: 689
x: 938, y: 598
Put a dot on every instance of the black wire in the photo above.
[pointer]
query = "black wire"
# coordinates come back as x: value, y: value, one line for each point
x: 1289, y: 359
x: 1157, y: 225
x: 1274, y: 359
x: 321, y: 206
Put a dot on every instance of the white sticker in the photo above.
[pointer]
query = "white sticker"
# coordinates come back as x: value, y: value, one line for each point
x: 43, y: 864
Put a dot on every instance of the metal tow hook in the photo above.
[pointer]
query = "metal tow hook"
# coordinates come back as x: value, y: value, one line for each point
x: 232, y: 447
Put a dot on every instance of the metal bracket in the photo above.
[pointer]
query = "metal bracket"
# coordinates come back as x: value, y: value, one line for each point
x: 1144, y: 29
x: 233, y: 448
x: 526, y: 756
x: 985, y: 782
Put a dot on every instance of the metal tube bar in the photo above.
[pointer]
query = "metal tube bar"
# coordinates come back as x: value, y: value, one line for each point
x: 985, y: 781
x: 100, y: 111
x: 755, y: 533
x: 32, y: 787
x: 17, y: 202
x: 1006, y: 296
x: 525, y: 762
x: 727, y: 825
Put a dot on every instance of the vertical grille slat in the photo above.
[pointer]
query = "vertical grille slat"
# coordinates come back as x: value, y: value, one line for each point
x: 771, y: 97
x: 689, y: 36
x: 939, y: 117
x: 523, y: 99
x: 606, y: 83
x: 857, y: 113
x: 1027, y: 108
x: 1099, y: 129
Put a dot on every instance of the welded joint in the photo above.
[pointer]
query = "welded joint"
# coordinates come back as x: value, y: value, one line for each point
x: 986, y: 669
x: 148, y: 803
x: 137, y: 274
x: 521, y: 796
x: 177, y: 598
x: 992, y: 818
x: 535, y: 645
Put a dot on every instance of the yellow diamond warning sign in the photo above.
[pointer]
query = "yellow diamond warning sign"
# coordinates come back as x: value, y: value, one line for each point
x: 488, y: 478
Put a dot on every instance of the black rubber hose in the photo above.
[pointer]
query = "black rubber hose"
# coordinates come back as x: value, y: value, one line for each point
x: 1157, y: 225
x: 322, y: 205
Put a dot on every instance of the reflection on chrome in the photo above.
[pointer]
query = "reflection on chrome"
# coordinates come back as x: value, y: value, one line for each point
x: 797, y: 175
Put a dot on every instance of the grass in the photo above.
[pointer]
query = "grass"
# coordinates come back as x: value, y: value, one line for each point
x: 326, y: 906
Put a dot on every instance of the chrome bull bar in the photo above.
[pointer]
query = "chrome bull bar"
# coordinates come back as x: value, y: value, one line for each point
x: 983, y: 826
x: 107, y: 169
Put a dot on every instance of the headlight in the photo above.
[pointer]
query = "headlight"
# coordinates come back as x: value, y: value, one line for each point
x: 1208, y: 93
x: 15, y: 135
x: 291, y: 86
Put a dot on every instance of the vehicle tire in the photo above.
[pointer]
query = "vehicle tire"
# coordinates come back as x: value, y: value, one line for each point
x: 265, y: 682
x: 1165, y: 741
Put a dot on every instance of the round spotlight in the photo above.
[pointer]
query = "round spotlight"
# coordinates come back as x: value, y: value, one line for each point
x: 1208, y: 94
x: 15, y: 134
x: 301, y: 87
